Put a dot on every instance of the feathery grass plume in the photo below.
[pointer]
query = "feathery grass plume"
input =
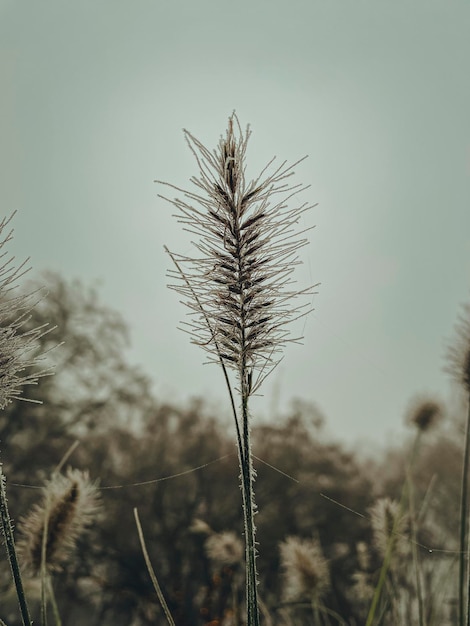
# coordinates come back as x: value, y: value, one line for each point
x: 458, y: 353
x: 239, y: 289
x: 69, y: 504
x: 306, y: 570
x: 424, y: 413
x: 17, y: 345
x: 389, y: 525
x: 224, y: 548
x: 458, y: 364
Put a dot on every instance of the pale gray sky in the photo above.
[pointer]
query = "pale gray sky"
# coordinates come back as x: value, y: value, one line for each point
x: 93, y: 98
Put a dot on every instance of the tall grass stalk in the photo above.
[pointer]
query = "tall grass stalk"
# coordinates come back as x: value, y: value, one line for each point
x: 391, y: 542
x: 50, y: 531
x: 415, y: 555
x: 464, y: 613
x: 11, y: 550
x: 239, y: 287
x: 458, y: 356
x: 17, y: 354
x: 424, y: 414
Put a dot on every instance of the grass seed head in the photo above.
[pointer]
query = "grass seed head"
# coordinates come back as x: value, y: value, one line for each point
x: 239, y: 286
x: 389, y: 526
x: 224, y: 548
x: 18, y: 343
x: 424, y: 414
x: 458, y: 354
x: 69, y: 503
x: 306, y: 571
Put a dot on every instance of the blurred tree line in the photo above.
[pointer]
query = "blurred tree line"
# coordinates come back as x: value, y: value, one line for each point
x: 128, y: 439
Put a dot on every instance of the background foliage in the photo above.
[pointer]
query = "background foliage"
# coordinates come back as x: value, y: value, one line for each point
x: 127, y: 436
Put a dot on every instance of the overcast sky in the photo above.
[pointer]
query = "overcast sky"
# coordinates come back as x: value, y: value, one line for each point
x: 94, y: 96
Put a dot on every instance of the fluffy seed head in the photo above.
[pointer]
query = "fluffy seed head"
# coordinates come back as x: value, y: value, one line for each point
x: 224, y: 548
x: 16, y: 343
x: 69, y: 504
x: 239, y: 286
x: 458, y: 354
x: 389, y: 525
x: 424, y: 413
x: 306, y: 571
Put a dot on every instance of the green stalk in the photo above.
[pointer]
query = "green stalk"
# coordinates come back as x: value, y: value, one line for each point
x: 11, y: 550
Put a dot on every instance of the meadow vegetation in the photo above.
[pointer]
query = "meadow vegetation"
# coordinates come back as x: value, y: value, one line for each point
x: 343, y: 538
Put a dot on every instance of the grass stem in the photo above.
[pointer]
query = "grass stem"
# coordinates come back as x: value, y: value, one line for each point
x: 150, y: 569
x: 11, y: 550
x: 463, y: 556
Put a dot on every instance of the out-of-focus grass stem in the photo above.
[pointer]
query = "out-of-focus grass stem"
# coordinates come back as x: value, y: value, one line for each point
x: 151, y: 571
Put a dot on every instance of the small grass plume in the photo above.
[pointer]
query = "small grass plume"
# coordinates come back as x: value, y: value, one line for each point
x: 306, y: 571
x: 69, y: 505
x: 224, y: 548
x: 424, y: 413
x: 239, y: 288
x: 390, y: 525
